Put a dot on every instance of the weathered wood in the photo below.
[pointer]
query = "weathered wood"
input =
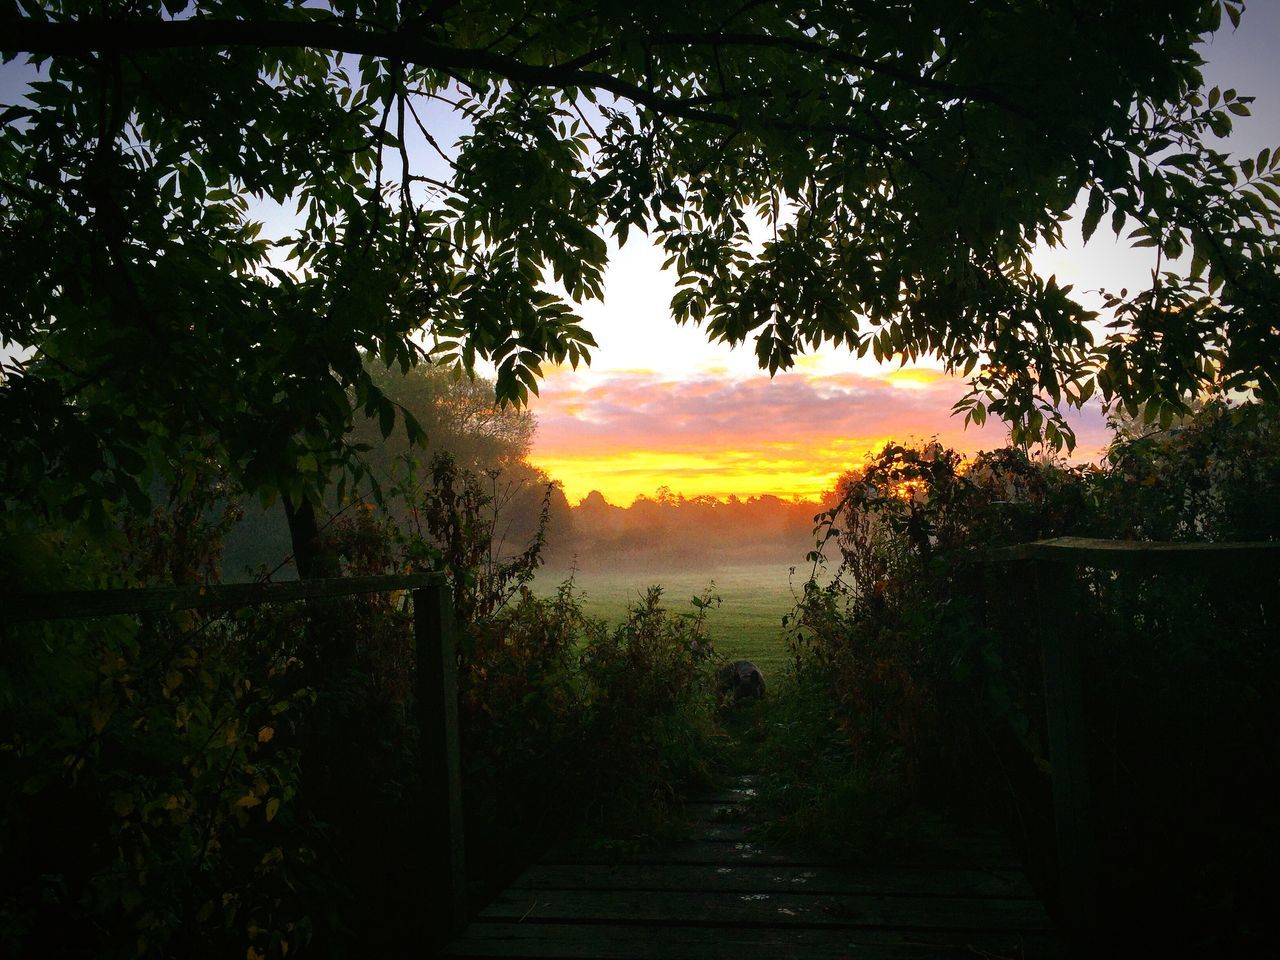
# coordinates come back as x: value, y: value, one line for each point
x: 735, y: 825
x: 745, y: 910
x: 688, y: 852
x: 953, y: 851
x: 764, y: 878
x: 1147, y: 556
x: 724, y: 830
x: 755, y: 900
x: 725, y: 795
x: 437, y: 670
x: 716, y: 812
x: 1068, y: 747
x: 625, y: 942
x: 73, y: 604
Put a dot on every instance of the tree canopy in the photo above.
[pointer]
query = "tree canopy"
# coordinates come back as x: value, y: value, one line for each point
x: 867, y: 174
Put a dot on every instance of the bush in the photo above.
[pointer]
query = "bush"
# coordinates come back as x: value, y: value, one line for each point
x: 151, y: 766
x: 247, y: 785
x: 573, y: 727
x: 651, y: 718
x: 152, y: 772
x: 929, y: 662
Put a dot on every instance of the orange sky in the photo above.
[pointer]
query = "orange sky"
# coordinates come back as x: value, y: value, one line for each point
x: 717, y: 432
x: 660, y: 406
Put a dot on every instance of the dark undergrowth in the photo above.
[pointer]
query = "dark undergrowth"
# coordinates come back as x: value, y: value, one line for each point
x: 811, y: 793
x: 914, y: 697
x: 251, y: 785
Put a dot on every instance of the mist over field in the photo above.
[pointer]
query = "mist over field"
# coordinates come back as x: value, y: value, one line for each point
x: 748, y: 554
x: 670, y: 532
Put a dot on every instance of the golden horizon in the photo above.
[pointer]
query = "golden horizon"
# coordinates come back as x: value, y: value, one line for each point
x: 622, y: 476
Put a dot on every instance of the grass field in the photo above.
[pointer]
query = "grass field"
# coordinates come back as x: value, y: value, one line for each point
x: 747, y: 624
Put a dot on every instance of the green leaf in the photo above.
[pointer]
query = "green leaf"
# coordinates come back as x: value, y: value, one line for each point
x: 386, y: 417
x: 1092, y: 214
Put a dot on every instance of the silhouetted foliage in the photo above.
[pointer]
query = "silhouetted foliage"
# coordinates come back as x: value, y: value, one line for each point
x: 930, y: 661
x: 904, y: 165
x: 457, y: 417
x: 250, y: 785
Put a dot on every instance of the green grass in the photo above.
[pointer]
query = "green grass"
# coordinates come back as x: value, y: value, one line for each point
x: 747, y: 624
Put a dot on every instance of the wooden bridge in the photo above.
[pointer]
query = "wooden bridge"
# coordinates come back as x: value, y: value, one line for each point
x: 724, y: 893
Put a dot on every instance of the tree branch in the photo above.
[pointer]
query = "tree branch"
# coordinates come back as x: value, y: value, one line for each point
x: 83, y: 37
x: 86, y: 36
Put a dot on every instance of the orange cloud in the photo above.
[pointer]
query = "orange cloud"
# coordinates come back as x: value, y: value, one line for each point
x: 627, y: 433
x: 915, y: 378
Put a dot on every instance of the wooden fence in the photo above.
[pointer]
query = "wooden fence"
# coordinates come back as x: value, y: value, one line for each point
x: 1054, y: 564
x: 436, y: 687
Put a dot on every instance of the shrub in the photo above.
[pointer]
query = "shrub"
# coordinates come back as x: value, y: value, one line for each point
x: 929, y: 665
x: 651, y: 690
x: 244, y: 785
x: 151, y: 774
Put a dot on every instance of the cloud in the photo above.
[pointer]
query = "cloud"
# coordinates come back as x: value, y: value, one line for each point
x: 628, y: 432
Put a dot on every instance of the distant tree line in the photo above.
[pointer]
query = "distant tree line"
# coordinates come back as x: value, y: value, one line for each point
x: 671, y: 531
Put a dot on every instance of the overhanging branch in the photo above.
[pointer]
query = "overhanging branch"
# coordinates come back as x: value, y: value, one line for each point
x: 86, y: 36
x: 83, y: 37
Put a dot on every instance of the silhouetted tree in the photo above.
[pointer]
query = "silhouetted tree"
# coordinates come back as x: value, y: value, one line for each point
x: 903, y: 159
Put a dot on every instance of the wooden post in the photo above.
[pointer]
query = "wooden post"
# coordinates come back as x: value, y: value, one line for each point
x: 441, y: 760
x: 1068, y: 748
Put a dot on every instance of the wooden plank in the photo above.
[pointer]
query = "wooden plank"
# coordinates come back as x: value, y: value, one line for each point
x: 765, y: 909
x: 548, y: 941
x: 748, y: 899
x: 729, y: 831
x: 727, y: 795
x: 689, y: 852
x: 72, y: 604
x: 961, y: 851
x: 719, y: 813
x: 437, y: 692
x: 1012, y: 554
x: 763, y: 878
x: 1068, y: 746
x: 731, y: 828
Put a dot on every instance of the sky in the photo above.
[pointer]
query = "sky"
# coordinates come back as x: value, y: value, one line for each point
x: 661, y: 406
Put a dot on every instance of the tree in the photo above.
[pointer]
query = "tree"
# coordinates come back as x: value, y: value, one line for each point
x: 868, y: 174
x: 458, y: 415
x: 487, y: 444
x: 461, y: 419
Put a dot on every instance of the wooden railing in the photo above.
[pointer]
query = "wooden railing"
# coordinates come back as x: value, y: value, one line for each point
x: 1054, y: 564
x: 436, y: 686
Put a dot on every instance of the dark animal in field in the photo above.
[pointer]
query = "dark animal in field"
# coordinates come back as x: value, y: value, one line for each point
x: 741, y: 679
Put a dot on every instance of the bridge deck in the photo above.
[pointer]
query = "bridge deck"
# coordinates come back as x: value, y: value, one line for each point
x: 723, y: 894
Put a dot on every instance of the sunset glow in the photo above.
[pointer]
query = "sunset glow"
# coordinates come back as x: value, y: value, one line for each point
x: 623, y: 476
x: 661, y: 406
x: 720, y: 433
